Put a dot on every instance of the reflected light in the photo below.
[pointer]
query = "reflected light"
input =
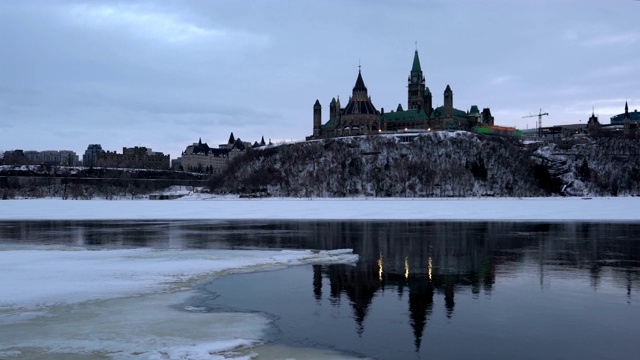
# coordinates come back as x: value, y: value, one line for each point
x: 430, y: 268
x: 406, y: 268
x: 380, y: 267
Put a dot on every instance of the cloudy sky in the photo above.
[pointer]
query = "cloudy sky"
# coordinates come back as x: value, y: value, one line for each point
x: 163, y: 74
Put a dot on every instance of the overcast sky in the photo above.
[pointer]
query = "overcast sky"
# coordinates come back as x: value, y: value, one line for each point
x: 163, y: 74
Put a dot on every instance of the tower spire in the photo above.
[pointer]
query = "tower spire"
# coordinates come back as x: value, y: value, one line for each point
x: 416, y: 89
x: 416, y: 68
x: 626, y: 108
x: 359, y: 88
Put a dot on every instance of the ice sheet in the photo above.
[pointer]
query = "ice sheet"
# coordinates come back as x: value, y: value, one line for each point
x: 128, y: 304
x: 45, y: 276
x: 202, y: 206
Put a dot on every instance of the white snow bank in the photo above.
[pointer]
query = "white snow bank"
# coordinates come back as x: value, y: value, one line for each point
x: 201, y: 206
x: 33, y: 279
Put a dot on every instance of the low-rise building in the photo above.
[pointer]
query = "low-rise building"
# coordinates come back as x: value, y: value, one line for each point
x: 135, y: 158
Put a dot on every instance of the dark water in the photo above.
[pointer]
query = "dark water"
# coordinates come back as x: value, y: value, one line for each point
x: 421, y: 290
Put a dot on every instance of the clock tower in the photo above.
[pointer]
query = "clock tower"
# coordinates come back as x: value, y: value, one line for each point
x: 416, y: 85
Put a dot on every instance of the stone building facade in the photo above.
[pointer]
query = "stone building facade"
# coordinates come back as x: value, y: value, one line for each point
x: 360, y: 117
x: 201, y: 158
x: 135, y: 158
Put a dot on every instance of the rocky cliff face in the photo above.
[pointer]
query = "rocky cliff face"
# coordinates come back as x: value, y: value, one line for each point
x: 437, y: 164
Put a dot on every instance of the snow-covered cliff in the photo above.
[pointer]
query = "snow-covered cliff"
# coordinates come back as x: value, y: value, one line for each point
x: 436, y: 164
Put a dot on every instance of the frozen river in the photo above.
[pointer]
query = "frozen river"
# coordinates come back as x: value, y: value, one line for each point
x: 222, y: 289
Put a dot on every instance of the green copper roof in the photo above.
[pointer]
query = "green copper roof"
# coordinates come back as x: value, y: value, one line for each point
x: 399, y: 108
x: 474, y: 110
x: 414, y: 114
x: 329, y: 123
x: 456, y: 113
x: 408, y: 115
x: 427, y: 91
x: 416, y: 64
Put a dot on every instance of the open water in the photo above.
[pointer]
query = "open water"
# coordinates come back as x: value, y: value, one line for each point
x: 421, y: 290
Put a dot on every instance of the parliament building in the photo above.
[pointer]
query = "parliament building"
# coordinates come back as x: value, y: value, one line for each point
x: 360, y: 116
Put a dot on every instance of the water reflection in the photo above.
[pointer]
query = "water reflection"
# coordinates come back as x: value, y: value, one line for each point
x: 442, y: 259
x: 427, y: 265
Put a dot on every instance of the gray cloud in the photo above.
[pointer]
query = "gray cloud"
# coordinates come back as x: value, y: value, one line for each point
x: 163, y: 74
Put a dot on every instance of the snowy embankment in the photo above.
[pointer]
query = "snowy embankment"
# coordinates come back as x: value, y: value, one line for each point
x: 229, y: 208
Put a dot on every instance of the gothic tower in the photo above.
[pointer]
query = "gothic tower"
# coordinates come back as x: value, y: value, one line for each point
x: 317, y: 118
x: 416, y: 85
x: 332, y: 109
x: 448, y: 102
x: 593, y: 124
x: 428, y: 101
x: 627, y: 121
x: 359, y: 116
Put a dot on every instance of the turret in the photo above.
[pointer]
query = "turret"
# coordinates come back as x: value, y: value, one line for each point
x: 317, y: 118
x: 593, y: 120
x: 448, y: 102
x: 428, y: 101
x: 332, y: 109
x: 627, y: 121
x: 626, y: 110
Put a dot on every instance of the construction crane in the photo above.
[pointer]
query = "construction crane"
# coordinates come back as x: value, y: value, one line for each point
x: 540, y: 115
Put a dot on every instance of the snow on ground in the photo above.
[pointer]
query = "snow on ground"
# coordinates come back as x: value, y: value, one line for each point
x: 129, y: 303
x: 206, y: 206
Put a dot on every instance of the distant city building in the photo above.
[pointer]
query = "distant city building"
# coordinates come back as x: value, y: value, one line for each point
x: 90, y: 157
x: 199, y: 157
x: 53, y: 157
x: 361, y: 117
x: 48, y: 157
x: 634, y: 117
x: 134, y: 158
x: 15, y: 157
x: 625, y: 125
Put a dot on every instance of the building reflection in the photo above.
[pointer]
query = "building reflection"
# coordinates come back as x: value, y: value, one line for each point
x: 437, y: 260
